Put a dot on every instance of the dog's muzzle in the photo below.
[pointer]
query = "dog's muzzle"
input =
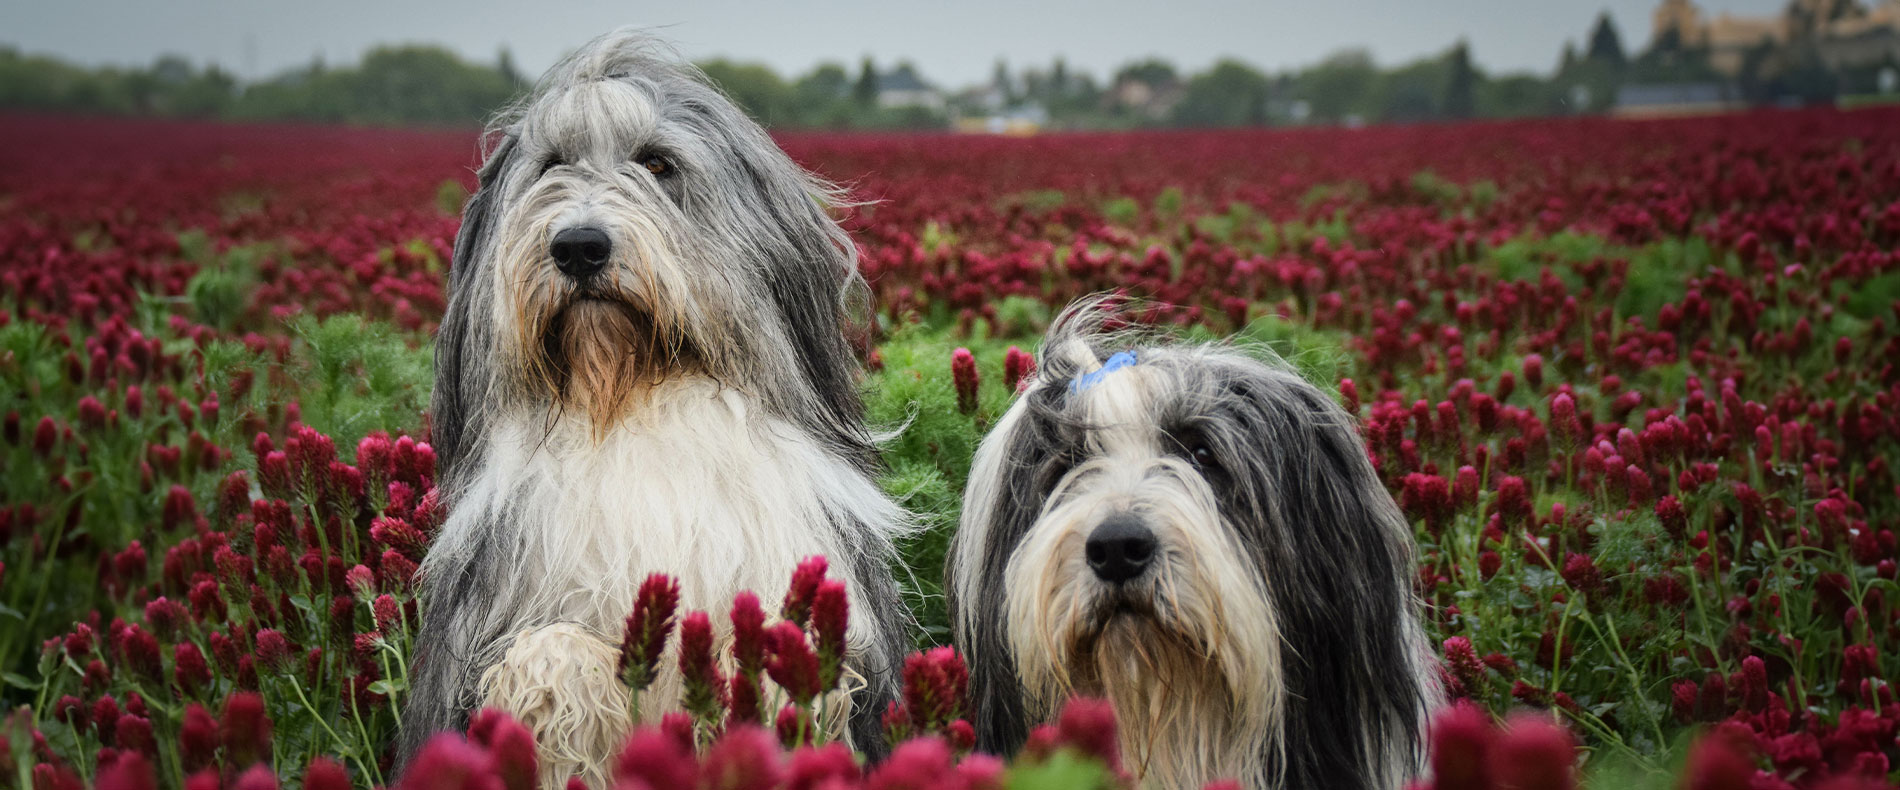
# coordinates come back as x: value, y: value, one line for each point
x: 1120, y: 548
x: 580, y: 252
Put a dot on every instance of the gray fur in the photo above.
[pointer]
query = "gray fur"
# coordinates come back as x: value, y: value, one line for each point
x: 742, y: 263
x: 1295, y: 493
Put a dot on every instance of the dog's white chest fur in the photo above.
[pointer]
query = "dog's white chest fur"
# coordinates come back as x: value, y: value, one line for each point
x: 696, y: 482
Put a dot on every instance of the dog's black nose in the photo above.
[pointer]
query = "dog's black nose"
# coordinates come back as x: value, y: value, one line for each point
x: 1120, y: 549
x: 579, y: 252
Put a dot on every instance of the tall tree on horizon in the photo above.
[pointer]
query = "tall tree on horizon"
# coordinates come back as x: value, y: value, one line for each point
x: 505, y: 63
x: 1461, y: 82
x: 1001, y: 81
x: 1606, y: 45
x: 865, y: 91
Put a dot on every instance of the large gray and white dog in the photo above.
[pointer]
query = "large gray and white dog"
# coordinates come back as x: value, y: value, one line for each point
x: 643, y: 368
x: 1196, y: 535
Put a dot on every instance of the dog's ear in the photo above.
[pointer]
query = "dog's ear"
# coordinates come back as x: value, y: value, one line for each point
x: 1308, y: 482
x: 996, y: 694
x: 1001, y: 504
x: 814, y: 274
x: 464, y: 341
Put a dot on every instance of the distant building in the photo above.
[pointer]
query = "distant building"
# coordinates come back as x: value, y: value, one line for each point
x: 901, y: 87
x: 1023, y: 120
x: 1675, y: 100
x: 1844, y: 33
x: 1152, y: 99
x: 985, y: 98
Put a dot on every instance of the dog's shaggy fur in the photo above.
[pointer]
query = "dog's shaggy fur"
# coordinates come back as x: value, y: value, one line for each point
x: 1265, y: 630
x: 690, y: 407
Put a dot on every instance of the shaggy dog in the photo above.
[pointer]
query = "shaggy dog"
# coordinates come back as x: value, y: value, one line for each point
x: 643, y: 368
x: 1198, y: 537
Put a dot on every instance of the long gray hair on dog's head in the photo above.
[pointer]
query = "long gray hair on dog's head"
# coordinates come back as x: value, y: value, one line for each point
x: 1195, y: 533
x: 724, y: 259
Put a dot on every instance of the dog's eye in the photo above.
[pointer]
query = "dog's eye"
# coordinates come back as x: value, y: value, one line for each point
x: 1052, y: 473
x: 1196, y: 452
x: 1201, y: 455
x: 657, y: 165
x: 552, y: 162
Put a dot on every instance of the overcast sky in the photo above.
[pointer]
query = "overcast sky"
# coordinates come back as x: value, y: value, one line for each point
x: 953, y: 42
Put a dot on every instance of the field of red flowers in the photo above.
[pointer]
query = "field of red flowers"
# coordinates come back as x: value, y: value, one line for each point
x: 1635, y: 383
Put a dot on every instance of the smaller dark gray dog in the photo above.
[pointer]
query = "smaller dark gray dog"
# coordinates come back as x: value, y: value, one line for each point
x: 1198, y: 537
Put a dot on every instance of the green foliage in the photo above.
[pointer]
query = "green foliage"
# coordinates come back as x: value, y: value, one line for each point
x: 1021, y: 317
x: 1334, y: 230
x: 350, y: 377
x: 1321, y: 356
x: 1228, y: 225
x: 936, y: 236
x: 1413, y: 92
x: 1525, y: 257
x: 114, y: 502
x: 1320, y: 193
x: 1039, y: 201
x: 450, y: 196
x: 1152, y: 71
x: 864, y: 90
x: 928, y: 457
x: 405, y: 84
x: 1230, y: 94
x: 1460, y: 98
x: 1659, y: 274
x: 755, y: 87
x: 1168, y: 203
x: 1588, y: 85
x: 219, y: 292
x: 360, y: 376
x: 1873, y: 297
x: 1348, y: 87
x: 426, y: 84
x: 1339, y: 87
x: 823, y: 98
x: 1517, y: 96
x: 170, y: 86
x: 1483, y: 193
x: 1606, y: 45
x: 1065, y: 769
x: 1123, y: 211
x: 1434, y: 188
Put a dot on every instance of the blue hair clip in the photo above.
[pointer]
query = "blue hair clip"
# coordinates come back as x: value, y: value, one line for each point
x: 1120, y: 360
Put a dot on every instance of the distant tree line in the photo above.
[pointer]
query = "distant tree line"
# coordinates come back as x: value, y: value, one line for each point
x: 431, y: 85
x: 392, y: 85
x: 826, y: 97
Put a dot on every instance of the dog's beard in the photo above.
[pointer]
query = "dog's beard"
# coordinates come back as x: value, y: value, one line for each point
x: 1188, y: 655
x: 1176, y: 714
x: 600, y: 354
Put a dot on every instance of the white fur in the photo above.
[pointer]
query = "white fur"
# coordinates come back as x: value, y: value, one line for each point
x: 1271, y: 636
x: 1188, y: 713
x: 691, y: 407
x: 560, y: 681
x: 698, y: 483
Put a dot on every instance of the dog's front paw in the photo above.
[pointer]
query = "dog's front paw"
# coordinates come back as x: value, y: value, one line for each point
x: 561, y: 682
